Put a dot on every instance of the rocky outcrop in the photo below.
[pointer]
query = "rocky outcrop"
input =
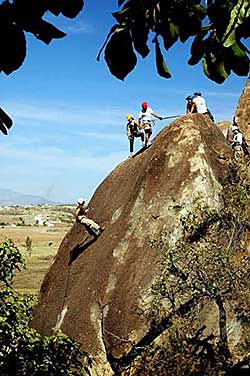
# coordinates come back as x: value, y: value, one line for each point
x: 96, y: 291
x: 242, y: 114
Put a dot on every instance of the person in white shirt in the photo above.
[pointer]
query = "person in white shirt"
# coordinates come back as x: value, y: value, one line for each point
x: 238, y: 137
x: 145, y: 120
x: 201, y: 106
x: 200, y: 103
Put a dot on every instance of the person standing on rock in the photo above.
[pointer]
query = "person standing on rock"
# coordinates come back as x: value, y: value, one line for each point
x: 238, y: 137
x: 81, y: 216
x: 132, y: 130
x: 201, y: 105
x: 145, y: 120
x: 191, y: 106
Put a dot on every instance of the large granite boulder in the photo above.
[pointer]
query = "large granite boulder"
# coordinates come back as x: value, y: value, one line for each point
x: 95, y: 289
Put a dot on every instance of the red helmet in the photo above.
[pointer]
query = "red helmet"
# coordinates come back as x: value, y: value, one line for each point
x: 144, y: 105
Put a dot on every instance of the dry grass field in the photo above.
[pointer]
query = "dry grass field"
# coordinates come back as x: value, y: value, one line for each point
x: 45, y: 227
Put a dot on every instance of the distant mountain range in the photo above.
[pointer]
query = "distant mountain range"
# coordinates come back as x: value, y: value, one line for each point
x: 12, y: 198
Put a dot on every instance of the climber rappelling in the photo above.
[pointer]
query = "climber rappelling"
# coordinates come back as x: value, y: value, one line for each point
x: 81, y: 216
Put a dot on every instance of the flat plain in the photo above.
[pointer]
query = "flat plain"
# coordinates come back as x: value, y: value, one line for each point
x: 37, y: 231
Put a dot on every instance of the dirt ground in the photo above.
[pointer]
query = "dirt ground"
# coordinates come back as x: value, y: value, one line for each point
x: 18, y: 224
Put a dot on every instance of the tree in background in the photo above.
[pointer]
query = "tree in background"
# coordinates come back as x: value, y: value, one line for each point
x: 217, y: 28
x: 23, y: 351
x: 28, y: 244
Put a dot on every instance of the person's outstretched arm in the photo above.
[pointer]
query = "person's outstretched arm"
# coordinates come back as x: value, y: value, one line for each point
x: 157, y: 116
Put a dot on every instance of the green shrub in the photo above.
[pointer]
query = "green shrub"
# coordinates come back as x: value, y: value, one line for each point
x: 23, y: 351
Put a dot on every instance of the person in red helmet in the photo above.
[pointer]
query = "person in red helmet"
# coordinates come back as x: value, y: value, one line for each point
x: 145, y: 120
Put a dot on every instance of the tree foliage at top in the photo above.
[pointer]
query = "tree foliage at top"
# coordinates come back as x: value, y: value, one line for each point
x: 20, y: 16
x: 218, y: 29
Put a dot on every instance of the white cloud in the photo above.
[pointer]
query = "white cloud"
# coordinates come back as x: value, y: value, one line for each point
x: 222, y: 94
x: 69, y: 26
x: 100, y: 136
x: 63, y: 114
x: 78, y: 27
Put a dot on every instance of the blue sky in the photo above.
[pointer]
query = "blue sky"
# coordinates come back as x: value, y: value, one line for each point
x: 69, y: 111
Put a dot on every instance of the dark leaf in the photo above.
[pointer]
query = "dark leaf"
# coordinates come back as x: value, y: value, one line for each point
x: 28, y: 10
x: 135, y: 19
x: 119, y: 54
x: 219, y: 15
x: 243, y: 47
x: 122, y: 15
x: 188, y: 18
x: 6, y: 12
x: 239, y: 13
x: 170, y: 34
x: 13, y: 47
x: 120, y: 2
x: 210, y: 69
x: 193, y: 60
x: 140, y: 42
x: 243, y: 31
x: 238, y: 60
x: 139, y: 32
x: 111, y: 31
x: 215, y: 62
x: 201, y: 11
x: 45, y: 31
x: 54, y: 7
x: 4, y: 117
x: 162, y: 68
x: 197, y: 50
x: 188, y: 26
x: 2, y: 128
x: 71, y: 8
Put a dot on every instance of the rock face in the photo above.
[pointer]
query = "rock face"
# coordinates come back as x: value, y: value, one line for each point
x: 225, y: 127
x: 95, y: 290
x: 242, y: 114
